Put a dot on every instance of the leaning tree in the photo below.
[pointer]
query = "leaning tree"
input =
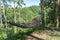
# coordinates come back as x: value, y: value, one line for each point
x: 32, y: 23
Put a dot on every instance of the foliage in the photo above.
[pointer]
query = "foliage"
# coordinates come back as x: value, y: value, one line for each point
x: 26, y: 15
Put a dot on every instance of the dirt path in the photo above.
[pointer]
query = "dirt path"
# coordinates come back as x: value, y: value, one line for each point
x: 37, y: 36
x: 49, y: 35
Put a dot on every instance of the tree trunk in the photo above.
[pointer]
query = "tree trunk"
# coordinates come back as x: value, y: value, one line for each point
x: 42, y: 13
x: 5, y: 17
x: 57, y: 18
x: 0, y: 19
x: 1, y: 15
x: 15, y: 29
x: 57, y: 13
x: 19, y: 12
x: 58, y: 2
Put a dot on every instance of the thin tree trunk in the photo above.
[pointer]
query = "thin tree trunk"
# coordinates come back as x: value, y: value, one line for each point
x: 57, y: 14
x: 19, y: 12
x: 1, y: 19
x: 57, y: 18
x: 14, y: 19
x: 45, y: 16
x: 42, y: 13
x: 5, y: 18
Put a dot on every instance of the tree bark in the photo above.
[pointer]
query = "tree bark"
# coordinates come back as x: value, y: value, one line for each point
x: 42, y: 13
x: 5, y: 17
x: 58, y: 2
x: 15, y: 29
x: 57, y: 13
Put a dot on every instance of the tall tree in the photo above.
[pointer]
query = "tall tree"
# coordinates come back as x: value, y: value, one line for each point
x: 57, y: 13
x: 42, y: 13
x: 19, y: 2
x: 15, y: 29
x: 3, y: 3
x: 1, y: 14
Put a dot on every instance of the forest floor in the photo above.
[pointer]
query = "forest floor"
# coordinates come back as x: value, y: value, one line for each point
x: 44, y: 35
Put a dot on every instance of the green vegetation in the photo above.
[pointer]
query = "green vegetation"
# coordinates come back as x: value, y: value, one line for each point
x: 24, y: 17
x: 50, y: 19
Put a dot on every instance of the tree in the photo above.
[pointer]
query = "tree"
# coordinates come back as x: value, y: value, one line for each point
x: 1, y: 14
x: 57, y: 13
x: 25, y: 25
x: 20, y: 3
x: 15, y: 29
x: 42, y: 13
x: 3, y: 3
